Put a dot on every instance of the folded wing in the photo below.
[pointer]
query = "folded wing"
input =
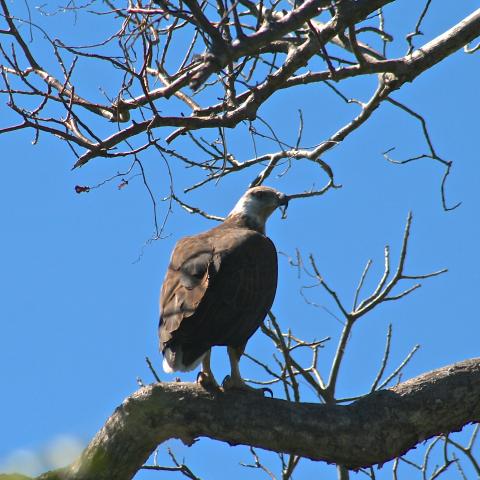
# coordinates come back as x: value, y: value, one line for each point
x: 217, y: 291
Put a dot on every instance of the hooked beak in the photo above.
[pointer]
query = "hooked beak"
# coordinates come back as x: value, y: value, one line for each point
x: 283, y: 200
x: 283, y: 204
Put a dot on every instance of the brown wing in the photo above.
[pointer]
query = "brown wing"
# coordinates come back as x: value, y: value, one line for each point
x: 217, y: 291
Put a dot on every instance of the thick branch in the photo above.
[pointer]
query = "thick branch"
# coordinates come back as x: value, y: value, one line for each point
x: 444, y: 45
x: 375, y: 429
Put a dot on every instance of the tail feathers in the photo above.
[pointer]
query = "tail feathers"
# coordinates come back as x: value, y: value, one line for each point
x: 173, y: 361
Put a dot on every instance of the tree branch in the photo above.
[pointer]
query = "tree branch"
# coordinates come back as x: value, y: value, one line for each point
x: 375, y: 429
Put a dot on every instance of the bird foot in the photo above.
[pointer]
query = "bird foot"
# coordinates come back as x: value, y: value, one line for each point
x: 207, y: 381
x: 237, y: 384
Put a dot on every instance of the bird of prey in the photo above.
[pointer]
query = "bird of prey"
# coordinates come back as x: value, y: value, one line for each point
x: 218, y: 288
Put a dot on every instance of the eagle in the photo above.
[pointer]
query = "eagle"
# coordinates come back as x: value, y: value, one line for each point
x: 218, y: 288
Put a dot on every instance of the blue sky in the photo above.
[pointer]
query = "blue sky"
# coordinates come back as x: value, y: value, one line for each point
x: 79, y: 308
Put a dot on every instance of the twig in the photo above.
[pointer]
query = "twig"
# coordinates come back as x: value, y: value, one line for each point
x: 383, y: 365
x: 154, y: 373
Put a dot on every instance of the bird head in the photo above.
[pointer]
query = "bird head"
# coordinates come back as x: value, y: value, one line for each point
x: 258, y: 203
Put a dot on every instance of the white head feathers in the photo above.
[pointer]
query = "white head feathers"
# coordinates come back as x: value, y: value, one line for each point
x: 258, y: 203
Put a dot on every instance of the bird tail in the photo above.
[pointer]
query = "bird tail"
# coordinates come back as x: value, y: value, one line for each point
x: 173, y: 360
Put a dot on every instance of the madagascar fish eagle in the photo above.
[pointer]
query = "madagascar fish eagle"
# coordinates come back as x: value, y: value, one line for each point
x: 218, y: 288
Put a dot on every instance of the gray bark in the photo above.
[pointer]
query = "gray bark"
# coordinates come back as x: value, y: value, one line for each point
x: 372, y: 430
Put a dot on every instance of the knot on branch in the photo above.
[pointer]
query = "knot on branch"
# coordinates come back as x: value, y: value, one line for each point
x: 212, y: 61
x: 120, y: 111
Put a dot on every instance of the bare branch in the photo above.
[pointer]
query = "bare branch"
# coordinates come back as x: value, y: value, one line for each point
x: 384, y: 360
x: 417, y: 31
x: 422, y: 407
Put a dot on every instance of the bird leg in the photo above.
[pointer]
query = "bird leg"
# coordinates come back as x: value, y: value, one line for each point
x: 234, y: 381
x: 205, y: 377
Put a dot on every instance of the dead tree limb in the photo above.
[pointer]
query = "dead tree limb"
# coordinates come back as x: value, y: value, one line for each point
x: 375, y: 429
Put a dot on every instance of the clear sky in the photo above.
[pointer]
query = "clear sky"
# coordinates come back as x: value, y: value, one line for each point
x: 79, y: 287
